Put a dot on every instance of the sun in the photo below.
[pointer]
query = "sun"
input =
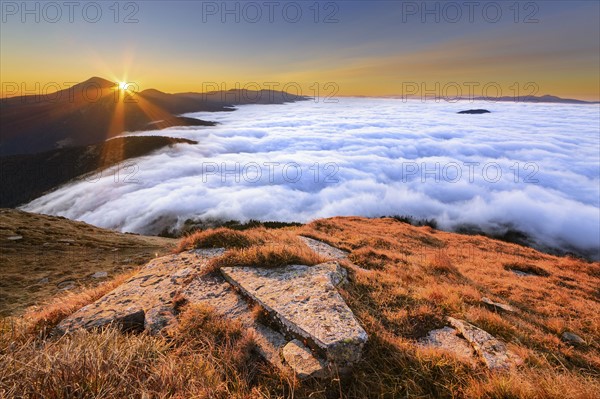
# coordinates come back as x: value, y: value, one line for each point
x: 123, y: 85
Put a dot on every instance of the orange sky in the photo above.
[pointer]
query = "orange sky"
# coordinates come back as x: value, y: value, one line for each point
x: 369, y: 51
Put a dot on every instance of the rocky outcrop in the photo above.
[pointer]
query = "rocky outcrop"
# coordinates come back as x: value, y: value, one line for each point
x: 494, y: 353
x: 308, y: 307
x: 471, y: 344
x: 154, y: 287
x: 447, y: 339
x: 303, y: 300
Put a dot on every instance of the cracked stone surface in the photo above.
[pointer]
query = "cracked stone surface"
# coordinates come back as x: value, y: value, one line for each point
x: 220, y: 295
x: 304, y: 301
x: 447, y: 339
x: 145, y: 302
x: 153, y: 287
x: 494, y: 353
x: 302, y: 361
x: 324, y: 249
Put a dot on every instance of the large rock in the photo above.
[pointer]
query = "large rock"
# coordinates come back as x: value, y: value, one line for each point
x: 153, y: 287
x: 446, y: 339
x: 324, y: 249
x: 303, y: 300
x: 148, y: 301
x: 494, y: 353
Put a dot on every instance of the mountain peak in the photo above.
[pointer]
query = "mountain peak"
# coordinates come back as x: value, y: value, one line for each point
x: 98, y: 81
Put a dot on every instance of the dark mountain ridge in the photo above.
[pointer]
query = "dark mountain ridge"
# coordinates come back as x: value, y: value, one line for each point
x: 95, y: 110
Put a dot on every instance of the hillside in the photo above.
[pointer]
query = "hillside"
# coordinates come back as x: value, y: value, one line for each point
x: 405, y: 286
x: 44, y: 256
x: 26, y: 177
x: 95, y: 110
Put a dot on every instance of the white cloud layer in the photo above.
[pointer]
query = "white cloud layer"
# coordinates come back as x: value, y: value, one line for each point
x: 533, y: 166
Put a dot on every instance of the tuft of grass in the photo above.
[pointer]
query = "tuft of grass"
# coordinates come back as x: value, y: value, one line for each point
x: 370, y: 258
x: 219, y: 238
x: 206, y: 357
x: 269, y: 256
x: 441, y: 264
x: 255, y: 247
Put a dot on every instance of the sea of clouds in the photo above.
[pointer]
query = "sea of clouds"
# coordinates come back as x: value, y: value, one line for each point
x: 530, y: 167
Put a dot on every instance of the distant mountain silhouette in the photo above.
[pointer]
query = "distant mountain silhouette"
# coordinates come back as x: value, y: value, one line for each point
x: 522, y: 99
x: 536, y: 99
x: 92, y: 111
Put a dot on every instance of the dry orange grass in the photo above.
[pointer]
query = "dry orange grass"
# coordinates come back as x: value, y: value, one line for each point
x: 408, y: 281
x: 257, y: 247
x: 206, y: 358
x: 428, y: 275
x: 42, y: 318
x: 222, y: 238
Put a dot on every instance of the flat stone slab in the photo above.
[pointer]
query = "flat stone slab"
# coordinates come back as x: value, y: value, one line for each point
x: 153, y: 287
x: 302, y: 361
x: 145, y: 302
x: 498, y: 305
x: 222, y: 297
x: 150, y: 299
x: 324, y: 249
x: 303, y: 300
x: 447, y: 340
x: 494, y: 353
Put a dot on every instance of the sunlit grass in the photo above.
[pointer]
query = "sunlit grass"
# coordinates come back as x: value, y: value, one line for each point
x: 405, y: 281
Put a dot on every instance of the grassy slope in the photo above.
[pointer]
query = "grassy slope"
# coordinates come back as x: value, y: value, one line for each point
x: 415, y: 277
x: 41, y: 254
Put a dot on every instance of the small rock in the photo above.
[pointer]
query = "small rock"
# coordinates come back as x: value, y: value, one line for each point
x: 100, y: 275
x: 521, y: 274
x: 498, y: 305
x: 44, y: 280
x: 67, y: 240
x: 14, y: 238
x: 302, y: 361
x: 324, y: 249
x: 66, y: 285
x: 572, y: 338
